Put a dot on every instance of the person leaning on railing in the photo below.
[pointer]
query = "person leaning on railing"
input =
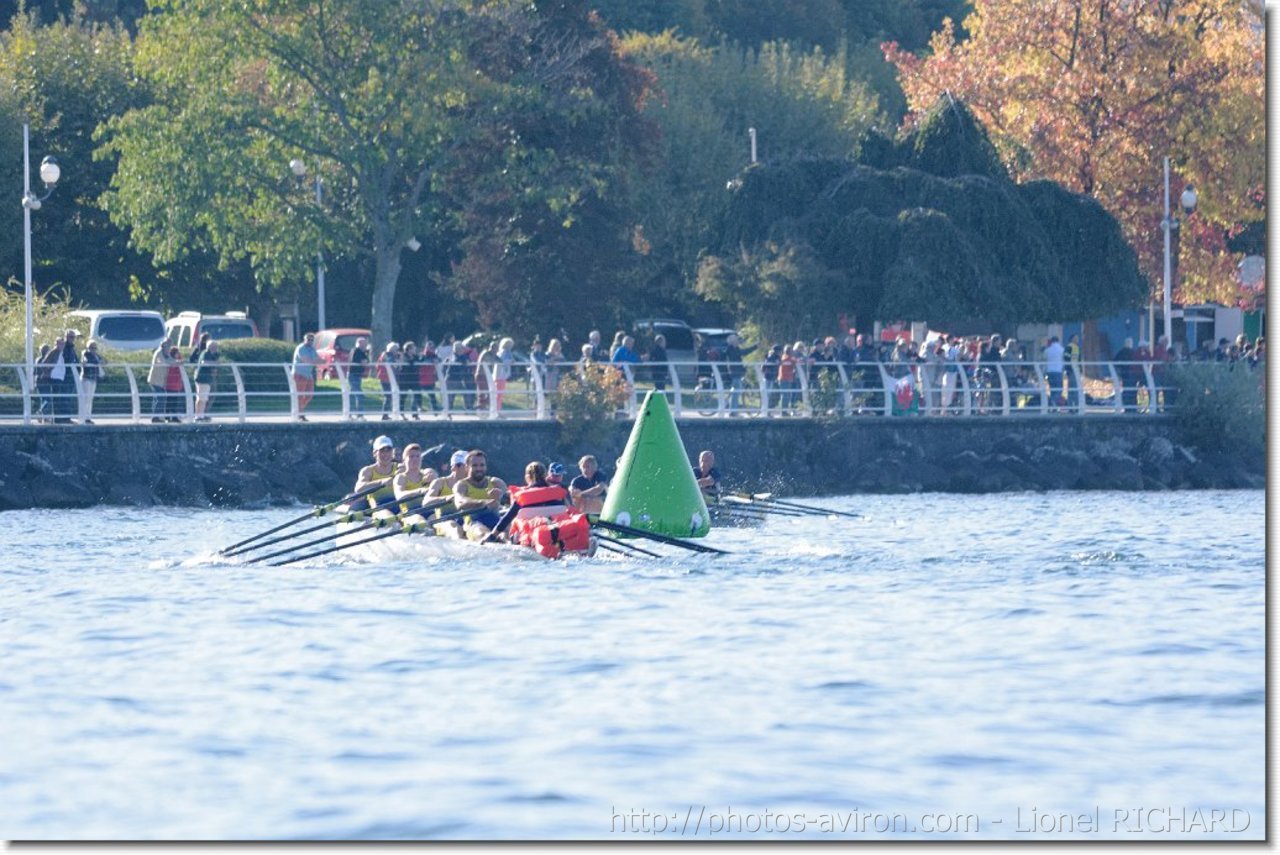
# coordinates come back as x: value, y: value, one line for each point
x: 357, y: 368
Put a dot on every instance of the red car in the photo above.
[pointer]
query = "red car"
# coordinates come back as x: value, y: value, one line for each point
x: 335, y: 345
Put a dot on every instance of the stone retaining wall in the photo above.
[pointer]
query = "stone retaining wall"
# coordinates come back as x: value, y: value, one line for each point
x: 234, y: 465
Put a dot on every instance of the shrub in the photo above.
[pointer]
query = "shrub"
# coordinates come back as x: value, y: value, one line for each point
x: 586, y: 405
x: 1219, y: 408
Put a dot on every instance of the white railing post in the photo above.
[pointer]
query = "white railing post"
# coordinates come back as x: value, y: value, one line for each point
x: 1117, y: 394
x: 242, y: 401
x: 679, y: 390
x: 293, y: 393
x: 539, y: 391
x: 802, y: 374
x: 846, y: 396
x: 1042, y: 384
x: 1151, y: 388
x: 964, y: 390
x: 187, y: 395
x: 27, y: 383
x: 1004, y: 389
x: 394, y: 382
x: 344, y: 388
x: 442, y: 383
x: 135, y: 400
x: 1077, y: 386
x: 886, y: 382
x: 491, y: 377
x: 719, y: 384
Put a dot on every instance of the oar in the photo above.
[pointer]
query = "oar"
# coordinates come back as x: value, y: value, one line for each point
x: 404, y: 529
x: 319, y: 510
x: 734, y: 504
x: 376, y: 522
x: 659, y: 538
x: 812, y: 509
x: 605, y: 540
x: 308, y: 530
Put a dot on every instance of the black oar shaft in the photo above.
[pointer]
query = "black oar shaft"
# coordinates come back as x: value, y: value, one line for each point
x: 606, y: 539
x: 812, y: 508
x: 659, y: 538
x: 320, y: 510
x: 398, y: 529
x: 317, y: 554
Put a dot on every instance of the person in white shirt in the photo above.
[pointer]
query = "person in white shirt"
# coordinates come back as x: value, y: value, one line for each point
x: 1054, y: 369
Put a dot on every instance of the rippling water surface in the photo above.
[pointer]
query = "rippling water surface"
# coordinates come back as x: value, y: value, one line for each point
x: 979, y: 666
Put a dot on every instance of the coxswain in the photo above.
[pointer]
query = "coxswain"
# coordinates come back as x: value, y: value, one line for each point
x: 413, y: 480
x: 539, y: 497
x: 381, y: 471
x: 555, y: 474
x: 479, y: 495
x: 707, y: 476
x: 588, y: 489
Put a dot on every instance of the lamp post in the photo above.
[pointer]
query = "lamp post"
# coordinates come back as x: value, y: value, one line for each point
x: 49, y: 174
x: 298, y: 168
x: 1168, y: 224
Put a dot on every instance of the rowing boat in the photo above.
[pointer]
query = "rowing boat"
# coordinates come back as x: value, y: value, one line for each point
x: 421, y: 538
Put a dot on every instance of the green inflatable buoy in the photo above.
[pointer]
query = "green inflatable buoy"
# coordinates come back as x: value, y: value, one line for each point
x: 654, y: 488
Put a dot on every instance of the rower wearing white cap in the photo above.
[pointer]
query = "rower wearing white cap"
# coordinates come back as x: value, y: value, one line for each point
x: 443, y: 486
x: 381, y: 471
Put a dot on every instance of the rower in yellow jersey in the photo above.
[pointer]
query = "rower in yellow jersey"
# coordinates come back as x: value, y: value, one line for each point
x: 381, y: 471
x: 443, y: 487
x: 412, y: 481
x: 479, y: 494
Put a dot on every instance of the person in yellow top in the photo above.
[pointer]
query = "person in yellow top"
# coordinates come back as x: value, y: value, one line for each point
x: 381, y: 471
x: 412, y: 480
x: 479, y: 494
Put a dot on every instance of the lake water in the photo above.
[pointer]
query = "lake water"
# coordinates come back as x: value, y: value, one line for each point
x: 1010, y: 666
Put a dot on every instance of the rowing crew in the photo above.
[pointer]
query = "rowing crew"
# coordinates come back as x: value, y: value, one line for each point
x: 476, y: 498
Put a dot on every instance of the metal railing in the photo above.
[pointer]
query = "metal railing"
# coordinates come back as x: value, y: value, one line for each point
x: 246, y: 392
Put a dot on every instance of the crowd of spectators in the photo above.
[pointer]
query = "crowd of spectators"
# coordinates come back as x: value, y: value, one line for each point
x: 473, y: 374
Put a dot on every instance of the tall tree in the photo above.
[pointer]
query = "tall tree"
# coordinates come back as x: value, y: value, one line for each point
x: 1093, y: 93
x: 64, y: 79
x: 801, y: 104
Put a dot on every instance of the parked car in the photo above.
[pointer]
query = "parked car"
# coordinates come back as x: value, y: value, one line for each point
x: 121, y: 329
x: 680, y: 347
x: 186, y: 329
x: 335, y: 345
x: 715, y: 340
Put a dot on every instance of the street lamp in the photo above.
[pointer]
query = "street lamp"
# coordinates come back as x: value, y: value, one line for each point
x: 1168, y: 224
x: 49, y: 174
x: 299, y: 169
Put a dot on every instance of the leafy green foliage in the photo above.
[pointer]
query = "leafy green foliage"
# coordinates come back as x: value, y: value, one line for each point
x: 586, y: 405
x: 889, y: 241
x: 1220, y: 408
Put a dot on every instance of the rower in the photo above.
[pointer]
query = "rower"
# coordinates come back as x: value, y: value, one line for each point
x: 588, y: 489
x: 413, y: 480
x: 443, y: 486
x: 555, y: 474
x: 479, y: 494
x: 381, y: 471
x: 707, y: 476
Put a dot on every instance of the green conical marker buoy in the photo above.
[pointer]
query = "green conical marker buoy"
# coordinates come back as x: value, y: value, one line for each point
x: 654, y: 488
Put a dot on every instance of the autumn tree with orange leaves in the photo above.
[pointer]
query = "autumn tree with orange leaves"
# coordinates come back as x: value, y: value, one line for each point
x: 1094, y: 93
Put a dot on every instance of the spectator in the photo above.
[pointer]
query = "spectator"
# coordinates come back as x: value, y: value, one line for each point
x: 196, y: 352
x: 485, y: 373
x: 65, y: 369
x: 1076, y: 375
x: 1055, y: 370
x: 503, y: 361
x: 787, y: 380
x: 206, y: 379
x: 463, y: 366
x: 554, y: 365
x: 387, y: 363
x: 90, y: 372
x: 588, y: 359
x: 305, y: 360
x: 174, y: 388
x: 659, y: 371
x: 156, y: 380
x: 428, y: 371
x: 619, y: 339
x: 357, y: 369
x: 771, y: 369
x: 1128, y: 373
x: 407, y: 377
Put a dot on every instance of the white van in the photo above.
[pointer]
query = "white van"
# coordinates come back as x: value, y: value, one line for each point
x: 185, y: 329
x: 121, y: 329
